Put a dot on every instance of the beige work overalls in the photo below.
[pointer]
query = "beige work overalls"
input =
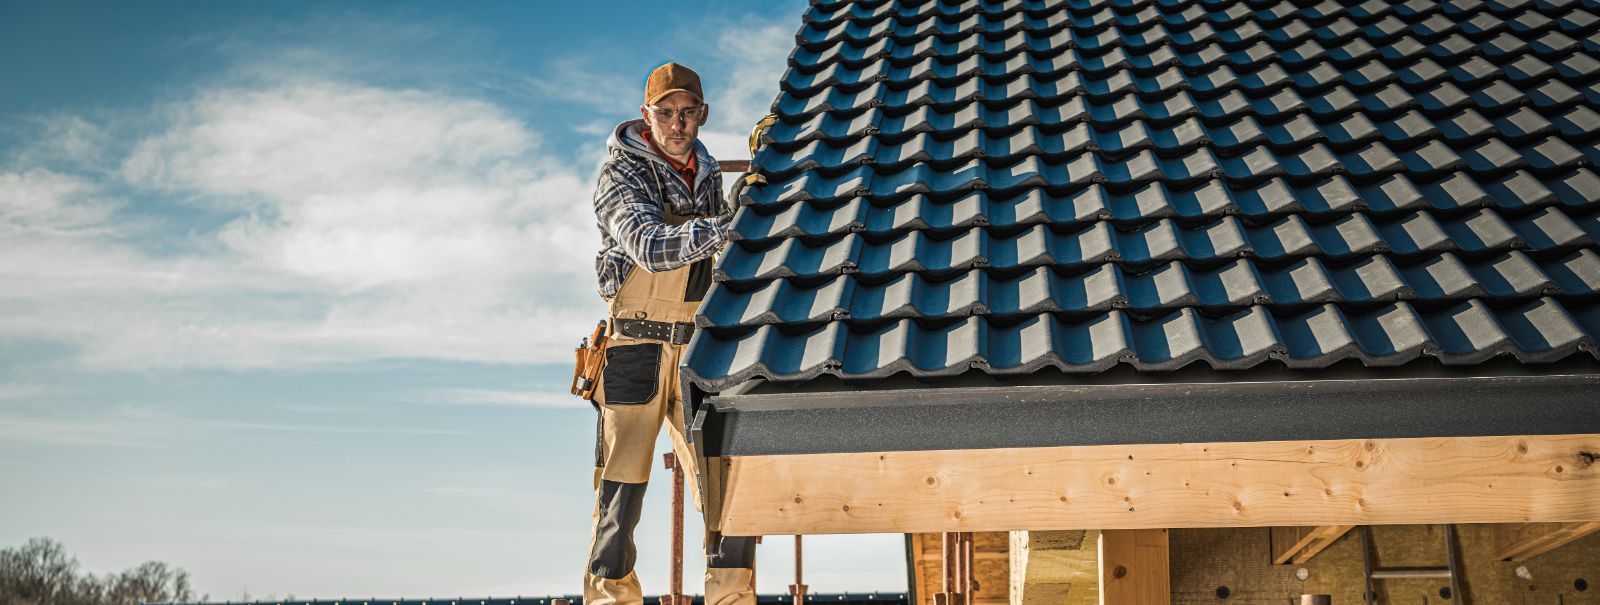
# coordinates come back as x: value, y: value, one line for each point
x: 643, y: 377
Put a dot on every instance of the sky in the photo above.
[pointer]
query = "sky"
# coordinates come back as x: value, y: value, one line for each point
x: 288, y: 290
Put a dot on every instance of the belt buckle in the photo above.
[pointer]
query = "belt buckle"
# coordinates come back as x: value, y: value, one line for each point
x: 673, y: 334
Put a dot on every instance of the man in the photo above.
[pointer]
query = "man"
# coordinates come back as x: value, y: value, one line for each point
x: 662, y: 218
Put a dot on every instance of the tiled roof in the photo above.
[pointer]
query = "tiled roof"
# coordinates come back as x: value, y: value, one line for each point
x: 1003, y: 187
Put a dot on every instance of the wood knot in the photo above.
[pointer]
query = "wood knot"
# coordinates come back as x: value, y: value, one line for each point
x: 1587, y: 459
x: 1120, y: 572
x: 1111, y: 480
x: 846, y: 508
x: 1360, y: 464
x: 797, y: 499
x: 932, y: 480
x: 1522, y: 448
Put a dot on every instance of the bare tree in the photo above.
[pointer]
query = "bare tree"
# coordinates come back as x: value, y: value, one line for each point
x: 150, y: 582
x: 40, y: 572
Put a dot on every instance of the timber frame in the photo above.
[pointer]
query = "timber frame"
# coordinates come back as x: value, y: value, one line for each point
x: 1157, y: 455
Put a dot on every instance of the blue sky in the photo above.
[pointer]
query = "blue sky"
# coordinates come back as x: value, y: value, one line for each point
x: 289, y: 288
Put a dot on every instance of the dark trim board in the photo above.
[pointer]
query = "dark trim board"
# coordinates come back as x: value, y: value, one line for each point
x: 1045, y: 416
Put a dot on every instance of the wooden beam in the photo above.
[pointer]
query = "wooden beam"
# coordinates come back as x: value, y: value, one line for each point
x: 1298, y: 544
x: 1134, y: 568
x: 1340, y: 482
x: 1055, y: 567
x: 1521, y: 541
x: 981, y: 555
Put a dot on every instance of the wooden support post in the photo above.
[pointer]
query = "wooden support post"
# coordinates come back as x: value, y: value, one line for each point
x: 675, y: 596
x: 1521, y: 541
x: 1134, y: 568
x: 1297, y: 544
x: 921, y: 585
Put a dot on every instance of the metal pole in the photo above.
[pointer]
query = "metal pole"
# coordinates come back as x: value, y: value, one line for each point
x: 1455, y: 573
x: 1366, y: 563
x: 798, y: 589
x: 676, y: 596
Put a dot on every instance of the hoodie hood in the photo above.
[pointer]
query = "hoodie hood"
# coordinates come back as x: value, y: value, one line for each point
x: 625, y: 138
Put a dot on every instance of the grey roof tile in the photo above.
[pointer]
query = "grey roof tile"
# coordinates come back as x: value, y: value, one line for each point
x: 1004, y: 187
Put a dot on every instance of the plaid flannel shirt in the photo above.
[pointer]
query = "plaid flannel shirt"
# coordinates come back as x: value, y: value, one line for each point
x: 634, y: 186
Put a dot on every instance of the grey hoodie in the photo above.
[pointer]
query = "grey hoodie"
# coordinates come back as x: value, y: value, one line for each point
x: 634, y: 186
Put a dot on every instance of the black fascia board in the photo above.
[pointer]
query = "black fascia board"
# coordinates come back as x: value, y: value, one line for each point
x: 1154, y: 413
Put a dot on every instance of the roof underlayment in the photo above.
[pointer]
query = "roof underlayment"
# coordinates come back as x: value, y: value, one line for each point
x: 1028, y: 188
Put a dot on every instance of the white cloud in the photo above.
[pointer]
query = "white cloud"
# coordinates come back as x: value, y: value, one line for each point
x: 15, y: 429
x: 144, y: 426
x: 579, y: 80
x: 344, y: 221
x: 15, y: 392
x: 369, y: 223
x: 759, y: 53
x: 542, y: 397
x: 40, y: 199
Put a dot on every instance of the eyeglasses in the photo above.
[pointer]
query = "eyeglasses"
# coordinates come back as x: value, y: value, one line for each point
x: 688, y: 114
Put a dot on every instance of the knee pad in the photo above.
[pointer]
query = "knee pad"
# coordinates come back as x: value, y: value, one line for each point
x: 612, y: 556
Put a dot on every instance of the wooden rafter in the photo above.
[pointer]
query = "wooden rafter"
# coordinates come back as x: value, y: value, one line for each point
x: 1518, y: 542
x: 1298, y: 544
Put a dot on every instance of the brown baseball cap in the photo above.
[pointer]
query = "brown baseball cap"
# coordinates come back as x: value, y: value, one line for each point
x: 671, y: 78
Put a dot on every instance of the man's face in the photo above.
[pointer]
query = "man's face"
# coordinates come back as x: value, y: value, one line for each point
x: 676, y: 135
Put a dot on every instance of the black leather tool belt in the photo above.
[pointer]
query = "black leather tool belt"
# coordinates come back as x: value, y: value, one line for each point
x: 669, y: 332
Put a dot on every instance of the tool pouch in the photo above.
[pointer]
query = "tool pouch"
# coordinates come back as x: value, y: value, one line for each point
x: 589, y: 362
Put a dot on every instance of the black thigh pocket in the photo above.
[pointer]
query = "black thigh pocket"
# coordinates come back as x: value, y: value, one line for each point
x: 632, y: 373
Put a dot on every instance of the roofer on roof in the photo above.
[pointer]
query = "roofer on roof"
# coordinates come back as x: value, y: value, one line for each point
x: 662, y: 218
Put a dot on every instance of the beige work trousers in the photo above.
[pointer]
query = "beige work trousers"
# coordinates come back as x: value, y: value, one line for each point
x: 626, y: 453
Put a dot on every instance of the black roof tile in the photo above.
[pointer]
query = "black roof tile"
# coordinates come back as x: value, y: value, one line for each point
x: 1009, y: 186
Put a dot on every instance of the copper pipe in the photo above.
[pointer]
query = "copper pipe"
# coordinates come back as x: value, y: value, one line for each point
x: 948, y: 546
x: 967, y: 567
x: 798, y: 589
